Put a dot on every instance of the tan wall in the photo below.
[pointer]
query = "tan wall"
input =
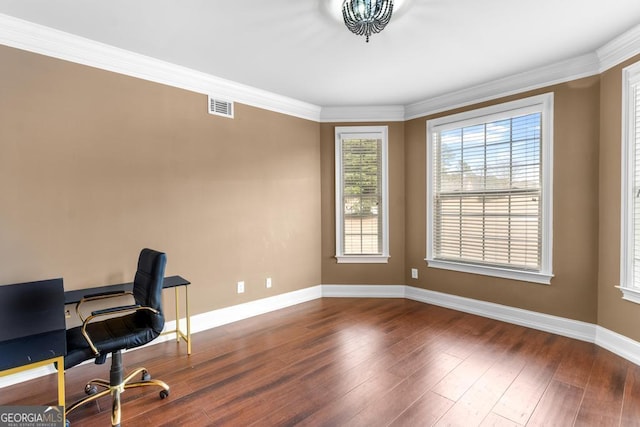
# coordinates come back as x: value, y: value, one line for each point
x: 614, y: 313
x: 391, y: 273
x: 95, y: 166
x: 572, y: 293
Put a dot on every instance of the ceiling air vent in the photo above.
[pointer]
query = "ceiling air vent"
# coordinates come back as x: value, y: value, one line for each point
x: 220, y: 107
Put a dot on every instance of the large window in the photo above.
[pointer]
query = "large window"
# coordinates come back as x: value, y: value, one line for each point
x: 489, y: 190
x: 361, y: 194
x: 630, y: 238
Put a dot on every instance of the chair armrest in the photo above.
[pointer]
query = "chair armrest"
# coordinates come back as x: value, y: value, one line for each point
x: 113, y: 310
x: 98, y: 297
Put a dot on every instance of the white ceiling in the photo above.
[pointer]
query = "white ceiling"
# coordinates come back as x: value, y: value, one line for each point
x: 299, y: 49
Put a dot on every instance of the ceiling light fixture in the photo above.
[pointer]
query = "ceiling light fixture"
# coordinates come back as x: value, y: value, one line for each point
x: 366, y: 17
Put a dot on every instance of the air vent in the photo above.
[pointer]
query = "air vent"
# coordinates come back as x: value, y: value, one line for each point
x: 220, y: 107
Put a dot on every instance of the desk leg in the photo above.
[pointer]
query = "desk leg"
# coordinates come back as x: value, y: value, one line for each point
x: 177, y: 315
x: 186, y: 300
x: 61, y: 396
x: 59, y: 361
x: 179, y: 333
x: 178, y: 330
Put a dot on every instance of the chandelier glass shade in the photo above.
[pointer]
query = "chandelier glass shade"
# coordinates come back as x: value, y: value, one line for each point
x: 366, y: 17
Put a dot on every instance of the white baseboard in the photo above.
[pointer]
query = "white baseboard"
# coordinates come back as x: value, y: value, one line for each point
x: 26, y: 375
x: 531, y: 319
x: 618, y: 344
x: 544, y: 322
x: 363, y: 291
x: 614, y: 342
x: 223, y: 316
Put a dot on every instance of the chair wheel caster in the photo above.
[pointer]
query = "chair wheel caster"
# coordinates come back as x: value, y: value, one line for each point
x: 164, y: 394
x: 90, y: 389
x: 145, y: 376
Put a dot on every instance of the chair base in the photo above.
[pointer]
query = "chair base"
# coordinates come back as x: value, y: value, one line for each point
x: 115, y: 386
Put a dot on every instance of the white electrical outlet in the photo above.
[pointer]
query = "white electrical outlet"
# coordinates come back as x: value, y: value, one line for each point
x: 267, y: 282
x: 414, y: 273
x: 241, y: 287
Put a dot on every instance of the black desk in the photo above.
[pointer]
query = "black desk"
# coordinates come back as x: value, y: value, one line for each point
x: 33, y: 328
x: 73, y: 297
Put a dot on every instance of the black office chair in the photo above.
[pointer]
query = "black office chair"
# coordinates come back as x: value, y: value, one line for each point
x: 135, y: 325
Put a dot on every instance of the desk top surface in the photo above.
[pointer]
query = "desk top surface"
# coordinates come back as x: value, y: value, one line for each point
x: 74, y: 296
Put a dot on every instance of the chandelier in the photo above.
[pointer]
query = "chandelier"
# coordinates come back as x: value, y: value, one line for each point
x: 365, y: 17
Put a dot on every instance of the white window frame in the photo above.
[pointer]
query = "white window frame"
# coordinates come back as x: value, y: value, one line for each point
x: 629, y: 287
x: 540, y: 103
x: 373, y: 132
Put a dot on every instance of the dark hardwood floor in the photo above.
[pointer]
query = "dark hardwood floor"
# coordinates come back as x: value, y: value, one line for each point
x: 365, y: 362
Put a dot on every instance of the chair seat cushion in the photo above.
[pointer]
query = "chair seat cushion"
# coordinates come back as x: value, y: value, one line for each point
x: 108, y: 335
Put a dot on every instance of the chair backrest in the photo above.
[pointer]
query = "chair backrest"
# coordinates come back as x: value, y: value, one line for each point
x: 147, y: 285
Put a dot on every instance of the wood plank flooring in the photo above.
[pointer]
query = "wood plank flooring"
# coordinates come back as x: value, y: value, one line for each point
x: 365, y: 362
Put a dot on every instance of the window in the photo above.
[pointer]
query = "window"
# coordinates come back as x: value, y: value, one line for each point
x: 489, y: 190
x: 361, y: 195
x: 630, y: 221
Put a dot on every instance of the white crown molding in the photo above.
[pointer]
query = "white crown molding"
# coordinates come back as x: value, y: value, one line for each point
x: 611, y: 54
x: 36, y: 38
x: 388, y: 113
x: 619, y: 49
x: 47, y: 41
x: 564, y: 71
x: 612, y: 341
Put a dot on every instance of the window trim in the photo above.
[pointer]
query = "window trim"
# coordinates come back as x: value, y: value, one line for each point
x: 540, y: 103
x: 378, y: 132
x: 630, y: 79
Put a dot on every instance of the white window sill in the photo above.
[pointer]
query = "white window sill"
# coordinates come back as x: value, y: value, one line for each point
x: 362, y: 259
x: 525, y: 276
x: 630, y: 294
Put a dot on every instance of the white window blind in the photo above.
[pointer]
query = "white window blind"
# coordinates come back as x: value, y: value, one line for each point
x: 487, y: 192
x: 630, y: 239
x: 487, y: 197
x: 361, y: 177
x: 361, y: 212
x: 635, y: 129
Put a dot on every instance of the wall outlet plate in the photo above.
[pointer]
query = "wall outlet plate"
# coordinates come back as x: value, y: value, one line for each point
x: 241, y: 287
x: 414, y: 273
x: 267, y: 282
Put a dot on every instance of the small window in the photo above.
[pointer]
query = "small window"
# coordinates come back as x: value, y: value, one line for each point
x: 361, y: 195
x: 630, y: 227
x: 489, y: 190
